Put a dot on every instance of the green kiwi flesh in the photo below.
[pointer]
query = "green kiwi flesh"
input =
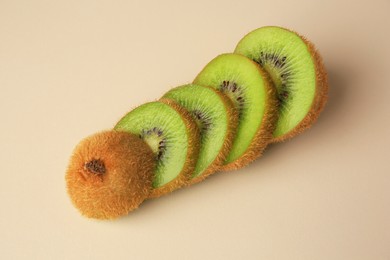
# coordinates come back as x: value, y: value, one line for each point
x: 297, y: 72
x: 254, y: 98
x: 214, y: 114
x: 172, y: 137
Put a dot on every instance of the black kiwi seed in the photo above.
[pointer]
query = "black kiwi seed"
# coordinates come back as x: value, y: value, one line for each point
x: 232, y: 87
x: 272, y: 59
x: 147, y: 133
x: 204, y: 122
x: 278, y: 63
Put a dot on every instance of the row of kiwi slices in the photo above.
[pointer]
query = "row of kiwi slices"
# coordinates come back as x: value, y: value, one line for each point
x: 270, y: 89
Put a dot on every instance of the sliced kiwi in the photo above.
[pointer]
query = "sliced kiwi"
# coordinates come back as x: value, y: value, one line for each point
x: 102, y: 180
x: 244, y: 82
x: 297, y: 71
x: 173, y: 136
x: 217, y: 120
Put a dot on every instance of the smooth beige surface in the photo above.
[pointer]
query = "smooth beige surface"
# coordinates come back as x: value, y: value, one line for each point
x: 72, y: 68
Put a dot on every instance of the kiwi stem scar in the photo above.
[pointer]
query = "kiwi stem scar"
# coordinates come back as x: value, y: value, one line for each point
x: 96, y: 166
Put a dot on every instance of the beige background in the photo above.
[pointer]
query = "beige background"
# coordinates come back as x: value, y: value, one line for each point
x: 72, y: 68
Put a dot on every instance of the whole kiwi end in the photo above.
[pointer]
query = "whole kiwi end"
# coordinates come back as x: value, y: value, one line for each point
x: 110, y: 174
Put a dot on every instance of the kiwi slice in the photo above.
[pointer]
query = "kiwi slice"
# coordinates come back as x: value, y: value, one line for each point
x: 216, y: 118
x: 172, y: 135
x: 253, y: 95
x: 297, y: 71
x: 101, y: 179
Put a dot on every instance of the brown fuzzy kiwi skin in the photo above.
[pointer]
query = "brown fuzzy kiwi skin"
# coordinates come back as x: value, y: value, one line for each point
x: 121, y: 181
x: 264, y: 134
x: 320, y: 98
x: 192, y: 152
x: 232, y: 127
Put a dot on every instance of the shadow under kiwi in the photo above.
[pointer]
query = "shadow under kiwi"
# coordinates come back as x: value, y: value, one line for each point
x: 152, y: 206
x: 338, y: 84
x: 337, y: 95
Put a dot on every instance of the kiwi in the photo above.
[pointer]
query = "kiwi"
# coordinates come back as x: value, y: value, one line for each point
x: 101, y: 179
x: 297, y: 71
x: 254, y: 97
x: 216, y: 118
x: 172, y: 135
